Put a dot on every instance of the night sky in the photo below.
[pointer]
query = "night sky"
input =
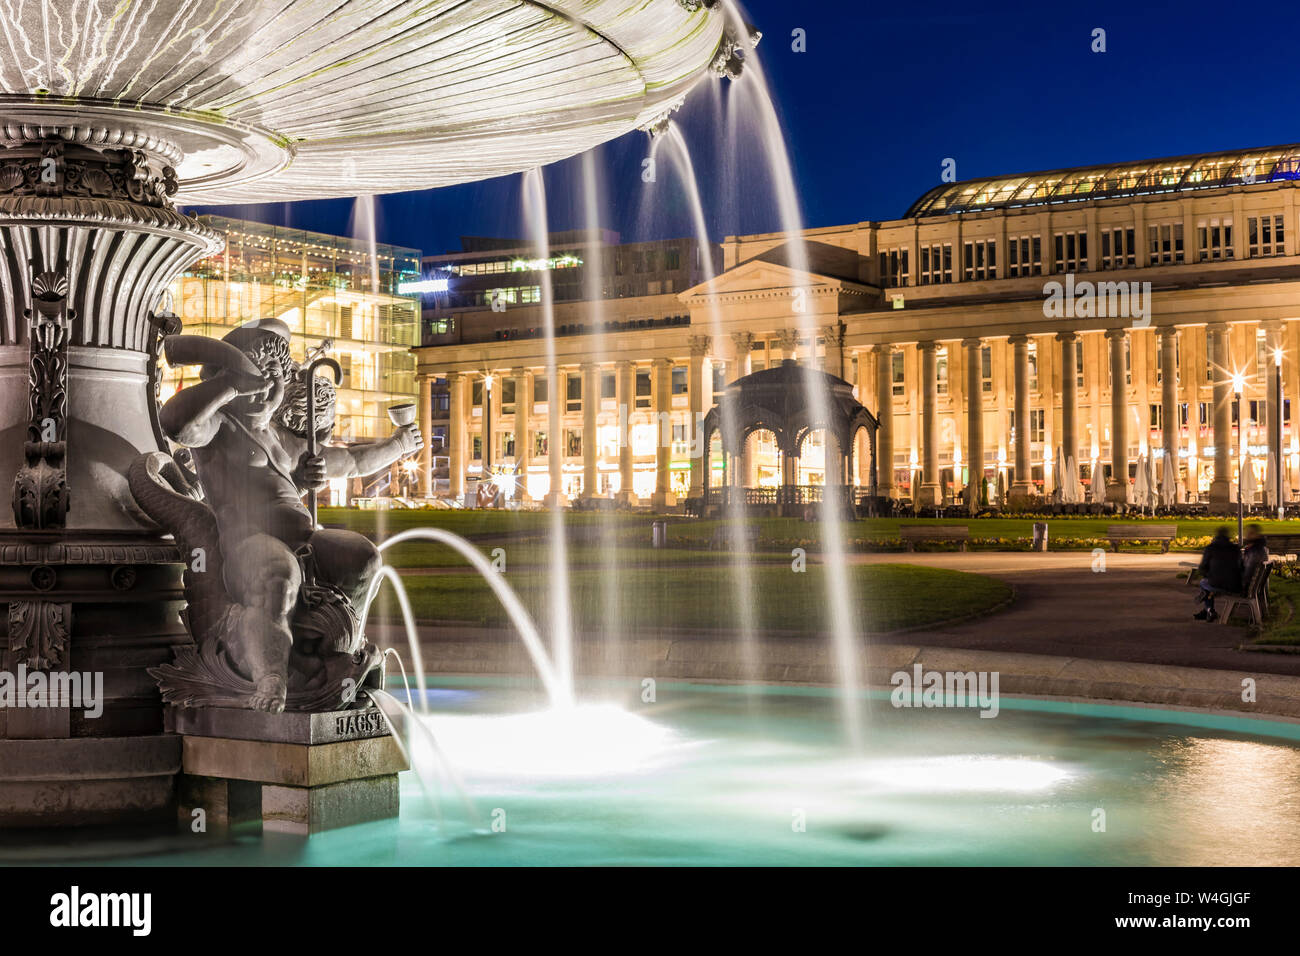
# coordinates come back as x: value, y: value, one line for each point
x: 884, y: 93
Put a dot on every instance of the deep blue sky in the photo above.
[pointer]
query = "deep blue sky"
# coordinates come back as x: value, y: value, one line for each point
x: 887, y: 91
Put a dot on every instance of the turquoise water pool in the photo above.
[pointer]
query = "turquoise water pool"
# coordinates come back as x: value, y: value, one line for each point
x: 720, y: 775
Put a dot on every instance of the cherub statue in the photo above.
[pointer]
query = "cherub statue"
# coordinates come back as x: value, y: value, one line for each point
x: 282, y: 610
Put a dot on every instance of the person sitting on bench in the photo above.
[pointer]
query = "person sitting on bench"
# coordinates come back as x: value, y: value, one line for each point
x: 1220, y: 572
x: 1253, y: 554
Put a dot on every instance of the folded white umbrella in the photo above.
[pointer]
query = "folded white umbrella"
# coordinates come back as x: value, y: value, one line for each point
x: 1073, y: 487
x: 1058, y: 492
x: 1153, y: 490
x: 1141, y: 492
x: 1270, y: 482
x: 1096, y: 483
x: 1248, y: 484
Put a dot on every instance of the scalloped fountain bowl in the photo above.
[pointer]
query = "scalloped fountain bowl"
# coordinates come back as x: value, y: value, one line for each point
x: 256, y: 102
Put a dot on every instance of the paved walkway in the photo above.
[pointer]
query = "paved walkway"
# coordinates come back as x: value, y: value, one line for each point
x: 1138, y: 609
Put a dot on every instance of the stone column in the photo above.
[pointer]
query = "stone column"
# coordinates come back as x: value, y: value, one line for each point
x: 833, y: 336
x: 1069, y: 399
x: 555, y: 400
x: 862, y: 441
x: 663, y: 391
x: 590, y: 447
x: 974, y: 421
x: 485, y: 423
x: 885, y: 413
x: 744, y: 344
x: 1118, y: 489
x: 787, y: 342
x: 523, y: 445
x: 456, y: 436
x: 699, y: 345
x: 425, y: 412
x: 931, y: 493
x: 1020, y: 488
x: 1273, y: 332
x: 1046, y: 399
x: 1221, y: 369
x: 1169, y: 398
x: 626, y: 384
x: 742, y: 465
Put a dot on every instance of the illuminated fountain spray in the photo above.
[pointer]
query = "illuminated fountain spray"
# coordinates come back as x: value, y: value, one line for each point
x: 612, y: 616
x: 559, y: 686
x: 536, y: 219
x: 739, y: 546
x: 756, y: 96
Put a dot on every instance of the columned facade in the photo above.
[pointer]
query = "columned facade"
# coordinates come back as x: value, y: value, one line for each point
x: 989, y: 347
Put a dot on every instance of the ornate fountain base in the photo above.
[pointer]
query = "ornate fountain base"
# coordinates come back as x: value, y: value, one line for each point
x: 294, y: 772
x: 81, y: 738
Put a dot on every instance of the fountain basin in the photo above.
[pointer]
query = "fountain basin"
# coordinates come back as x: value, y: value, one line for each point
x: 725, y: 778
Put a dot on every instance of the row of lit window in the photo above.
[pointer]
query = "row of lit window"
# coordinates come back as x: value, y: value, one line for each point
x: 1265, y: 236
x: 898, y: 380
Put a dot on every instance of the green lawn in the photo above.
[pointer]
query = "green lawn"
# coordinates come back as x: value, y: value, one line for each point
x: 593, y: 536
x: 885, y: 597
x: 1283, y: 623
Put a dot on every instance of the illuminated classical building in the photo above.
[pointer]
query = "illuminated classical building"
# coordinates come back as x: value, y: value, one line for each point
x: 325, y: 288
x: 1109, y: 311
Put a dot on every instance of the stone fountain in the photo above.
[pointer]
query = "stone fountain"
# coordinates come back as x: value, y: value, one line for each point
x: 110, y: 116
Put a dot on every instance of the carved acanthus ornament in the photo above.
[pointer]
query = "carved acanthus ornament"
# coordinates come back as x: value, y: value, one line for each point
x: 38, y: 633
x: 40, y: 493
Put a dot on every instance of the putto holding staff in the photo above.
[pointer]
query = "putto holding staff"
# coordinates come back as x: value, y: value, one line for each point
x: 281, y: 607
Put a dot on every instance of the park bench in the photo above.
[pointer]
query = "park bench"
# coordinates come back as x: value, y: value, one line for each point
x: 723, y: 536
x: 1163, y: 533
x: 1251, y: 598
x: 912, y: 533
x: 1281, y: 545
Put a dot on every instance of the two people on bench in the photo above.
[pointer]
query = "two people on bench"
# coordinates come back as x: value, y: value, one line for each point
x: 1227, y: 569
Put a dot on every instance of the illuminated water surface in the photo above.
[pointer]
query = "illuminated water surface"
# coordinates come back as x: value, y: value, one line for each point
x: 696, y: 778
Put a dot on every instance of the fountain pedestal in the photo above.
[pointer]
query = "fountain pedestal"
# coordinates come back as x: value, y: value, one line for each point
x: 294, y: 772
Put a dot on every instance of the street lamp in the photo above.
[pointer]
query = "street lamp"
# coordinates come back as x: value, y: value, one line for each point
x: 1277, y: 433
x: 1238, y: 383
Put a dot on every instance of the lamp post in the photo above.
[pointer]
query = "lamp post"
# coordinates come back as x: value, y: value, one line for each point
x: 1277, y: 433
x: 1238, y: 382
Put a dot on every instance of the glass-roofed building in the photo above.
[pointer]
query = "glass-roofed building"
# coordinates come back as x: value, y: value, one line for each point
x: 1009, y: 331
x: 1112, y: 181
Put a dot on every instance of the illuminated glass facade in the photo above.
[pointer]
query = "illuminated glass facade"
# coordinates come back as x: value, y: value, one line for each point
x: 323, y: 287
